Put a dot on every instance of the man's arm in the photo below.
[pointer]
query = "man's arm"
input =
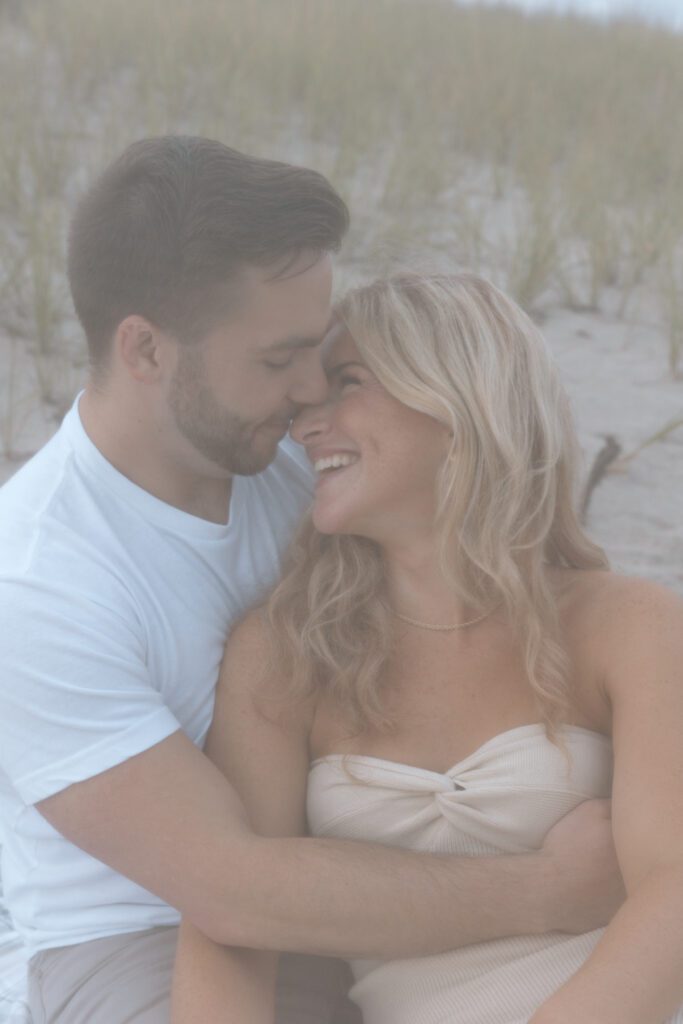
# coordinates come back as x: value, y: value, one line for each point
x: 169, y: 819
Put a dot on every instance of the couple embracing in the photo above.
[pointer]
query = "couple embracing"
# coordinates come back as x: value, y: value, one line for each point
x: 432, y: 671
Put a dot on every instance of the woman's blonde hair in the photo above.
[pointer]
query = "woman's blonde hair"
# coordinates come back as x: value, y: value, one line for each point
x: 456, y: 348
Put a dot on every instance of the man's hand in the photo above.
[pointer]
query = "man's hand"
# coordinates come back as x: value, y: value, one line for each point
x: 585, y: 888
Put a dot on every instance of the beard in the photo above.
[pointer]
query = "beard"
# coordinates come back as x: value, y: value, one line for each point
x: 222, y: 437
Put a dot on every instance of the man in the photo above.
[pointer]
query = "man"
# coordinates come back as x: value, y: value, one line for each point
x: 130, y: 544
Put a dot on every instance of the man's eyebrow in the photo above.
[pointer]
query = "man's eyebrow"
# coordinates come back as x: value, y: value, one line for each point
x: 300, y: 342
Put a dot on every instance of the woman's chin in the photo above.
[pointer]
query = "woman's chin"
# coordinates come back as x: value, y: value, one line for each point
x: 327, y: 524
x: 331, y: 520
x: 339, y: 525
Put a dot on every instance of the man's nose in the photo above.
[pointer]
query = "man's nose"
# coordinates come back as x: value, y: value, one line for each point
x: 310, y: 387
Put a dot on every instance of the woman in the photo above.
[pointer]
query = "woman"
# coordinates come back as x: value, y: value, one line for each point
x: 450, y: 666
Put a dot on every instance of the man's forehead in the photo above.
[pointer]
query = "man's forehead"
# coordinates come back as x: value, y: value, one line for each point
x: 335, y: 329
x: 286, y: 312
x: 294, y: 265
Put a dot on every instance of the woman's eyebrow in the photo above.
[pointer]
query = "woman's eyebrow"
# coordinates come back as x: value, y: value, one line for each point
x: 332, y: 370
x: 293, y: 343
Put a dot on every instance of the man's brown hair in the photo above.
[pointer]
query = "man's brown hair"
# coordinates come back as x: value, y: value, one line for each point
x: 170, y: 222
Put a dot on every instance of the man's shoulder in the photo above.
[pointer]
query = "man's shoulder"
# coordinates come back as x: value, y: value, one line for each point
x: 50, y: 533
x: 28, y: 501
x: 32, y: 486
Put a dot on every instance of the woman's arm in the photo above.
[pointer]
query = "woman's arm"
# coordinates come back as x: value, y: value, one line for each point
x: 215, y: 984
x: 634, y: 976
x: 266, y: 759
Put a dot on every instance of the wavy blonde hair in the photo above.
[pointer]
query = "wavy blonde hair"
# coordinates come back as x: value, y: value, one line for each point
x: 456, y: 348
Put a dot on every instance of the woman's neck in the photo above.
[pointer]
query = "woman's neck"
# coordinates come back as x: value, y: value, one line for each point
x: 417, y: 586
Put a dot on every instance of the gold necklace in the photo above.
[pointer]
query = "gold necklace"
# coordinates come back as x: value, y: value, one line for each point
x: 441, y: 629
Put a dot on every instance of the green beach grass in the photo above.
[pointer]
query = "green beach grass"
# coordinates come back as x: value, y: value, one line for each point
x: 545, y: 151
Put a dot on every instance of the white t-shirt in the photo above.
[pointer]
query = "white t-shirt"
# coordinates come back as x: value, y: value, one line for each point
x: 114, y: 609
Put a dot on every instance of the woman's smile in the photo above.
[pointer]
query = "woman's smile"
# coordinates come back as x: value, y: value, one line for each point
x: 376, y: 459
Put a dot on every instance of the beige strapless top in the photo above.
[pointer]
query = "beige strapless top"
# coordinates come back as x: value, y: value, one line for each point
x: 502, y: 798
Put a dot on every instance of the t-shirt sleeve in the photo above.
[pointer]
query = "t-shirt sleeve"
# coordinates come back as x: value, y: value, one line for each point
x: 75, y: 693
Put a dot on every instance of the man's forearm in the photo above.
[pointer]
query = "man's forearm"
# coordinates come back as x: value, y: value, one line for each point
x: 353, y: 899
x: 318, y: 895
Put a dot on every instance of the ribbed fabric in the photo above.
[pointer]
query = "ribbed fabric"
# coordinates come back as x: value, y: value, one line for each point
x: 503, y: 798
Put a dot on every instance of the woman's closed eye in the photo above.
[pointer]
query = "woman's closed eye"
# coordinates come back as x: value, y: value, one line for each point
x: 350, y: 374
x: 345, y: 380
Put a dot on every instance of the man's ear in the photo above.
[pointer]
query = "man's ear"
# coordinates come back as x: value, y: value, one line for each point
x: 140, y: 347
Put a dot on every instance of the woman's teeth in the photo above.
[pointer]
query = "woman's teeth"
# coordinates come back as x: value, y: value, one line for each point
x: 334, y: 462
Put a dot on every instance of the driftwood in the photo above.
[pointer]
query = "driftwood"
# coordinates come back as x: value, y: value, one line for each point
x: 609, y: 458
x: 610, y: 450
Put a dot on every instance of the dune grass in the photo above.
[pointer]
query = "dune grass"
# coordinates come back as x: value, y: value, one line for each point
x: 545, y: 151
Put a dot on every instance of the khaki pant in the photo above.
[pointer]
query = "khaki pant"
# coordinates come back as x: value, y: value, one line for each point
x: 126, y: 979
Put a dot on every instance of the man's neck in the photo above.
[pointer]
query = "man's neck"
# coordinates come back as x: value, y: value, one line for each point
x: 133, y: 440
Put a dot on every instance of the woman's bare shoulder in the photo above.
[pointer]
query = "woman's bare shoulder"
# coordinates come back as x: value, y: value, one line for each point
x: 251, y: 668
x: 613, y: 627
x: 585, y: 593
x: 609, y: 616
x: 250, y: 634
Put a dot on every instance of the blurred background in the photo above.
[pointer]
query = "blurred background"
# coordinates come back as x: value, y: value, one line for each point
x: 668, y: 13
x: 539, y: 144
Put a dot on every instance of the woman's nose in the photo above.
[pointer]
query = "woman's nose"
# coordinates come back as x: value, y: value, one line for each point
x: 310, y: 423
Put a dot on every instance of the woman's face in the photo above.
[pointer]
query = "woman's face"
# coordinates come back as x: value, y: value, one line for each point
x: 376, y: 459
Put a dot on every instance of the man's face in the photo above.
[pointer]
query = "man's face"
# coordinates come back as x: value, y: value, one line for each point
x: 233, y: 393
